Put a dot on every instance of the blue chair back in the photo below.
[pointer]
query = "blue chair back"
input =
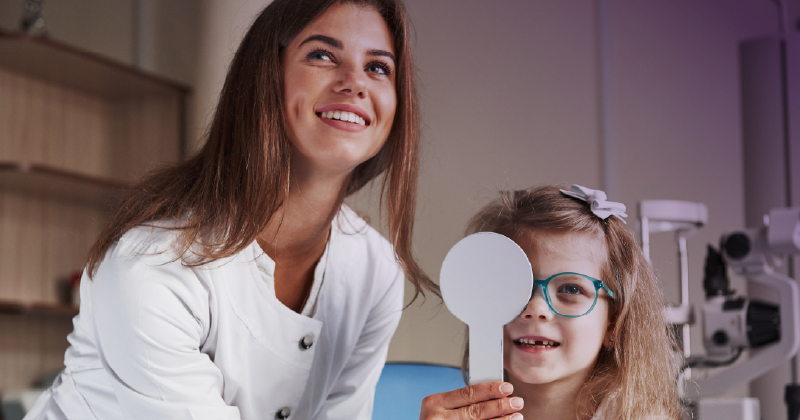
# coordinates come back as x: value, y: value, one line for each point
x: 402, y: 386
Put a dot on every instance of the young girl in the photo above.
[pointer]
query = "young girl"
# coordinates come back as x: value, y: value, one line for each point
x: 592, y: 342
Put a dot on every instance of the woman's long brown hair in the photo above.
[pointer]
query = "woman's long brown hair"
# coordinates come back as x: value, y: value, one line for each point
x: 226, y: 194
x: 639, y: 372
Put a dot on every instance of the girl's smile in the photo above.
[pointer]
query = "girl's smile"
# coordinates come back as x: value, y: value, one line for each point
x: 534, y: 344
x: 542, y: 347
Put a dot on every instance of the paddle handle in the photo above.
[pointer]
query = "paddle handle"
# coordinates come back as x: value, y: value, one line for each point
x: 485, y: 354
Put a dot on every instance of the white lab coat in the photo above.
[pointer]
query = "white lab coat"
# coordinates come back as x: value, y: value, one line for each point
x: 158, y: 340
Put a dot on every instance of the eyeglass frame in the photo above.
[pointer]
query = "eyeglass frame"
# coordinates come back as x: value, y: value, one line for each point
x: 598, y: 284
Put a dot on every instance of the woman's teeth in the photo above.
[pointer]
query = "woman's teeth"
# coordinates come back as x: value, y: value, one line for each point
x: 343, y: 116
x: 537, y: 344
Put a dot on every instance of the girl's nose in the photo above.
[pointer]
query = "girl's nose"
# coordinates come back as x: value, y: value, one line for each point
x: 537, y: 307
x: 352, y: 80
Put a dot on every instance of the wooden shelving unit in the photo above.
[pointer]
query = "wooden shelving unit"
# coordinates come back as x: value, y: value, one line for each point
x: 9, y: 307
x: 53, y: 182
x: 76, y: 129
x: 68, y: 66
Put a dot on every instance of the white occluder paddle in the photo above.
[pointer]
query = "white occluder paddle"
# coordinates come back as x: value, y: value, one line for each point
x: 486, y: 281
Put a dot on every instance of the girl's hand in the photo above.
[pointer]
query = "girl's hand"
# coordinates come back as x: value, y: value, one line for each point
x: 474, y: 402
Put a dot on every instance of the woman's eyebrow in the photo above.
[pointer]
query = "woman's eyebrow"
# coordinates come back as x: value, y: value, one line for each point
x: 381, y: 53
x: 333, y: 42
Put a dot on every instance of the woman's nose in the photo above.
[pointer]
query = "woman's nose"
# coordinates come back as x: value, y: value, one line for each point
x: 352, y: 80
x: 537, y: 307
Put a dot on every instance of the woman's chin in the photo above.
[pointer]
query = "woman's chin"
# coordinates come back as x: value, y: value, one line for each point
x: 334, y: 163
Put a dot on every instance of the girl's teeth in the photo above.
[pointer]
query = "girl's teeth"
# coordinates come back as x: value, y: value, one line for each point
x: 537, y: 344
x: 343, y: 116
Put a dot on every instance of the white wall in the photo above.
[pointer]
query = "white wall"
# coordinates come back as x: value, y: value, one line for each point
x: 222, y: 25
x: 512, y: 97
x: 676, y: 121
x: 508, y: 96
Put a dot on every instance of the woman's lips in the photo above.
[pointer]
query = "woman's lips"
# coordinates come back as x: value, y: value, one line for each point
x: 344, y: 109
x: 344, y: 125
x: 344, y: 117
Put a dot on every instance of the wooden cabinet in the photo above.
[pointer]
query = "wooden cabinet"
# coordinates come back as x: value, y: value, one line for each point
x: 75, y: 130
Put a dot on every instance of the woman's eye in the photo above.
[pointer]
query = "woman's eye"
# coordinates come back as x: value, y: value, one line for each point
x: 319, y: 55
x: 379, y: 68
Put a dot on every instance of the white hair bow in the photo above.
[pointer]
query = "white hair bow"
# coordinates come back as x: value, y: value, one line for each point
x: 597, y: 202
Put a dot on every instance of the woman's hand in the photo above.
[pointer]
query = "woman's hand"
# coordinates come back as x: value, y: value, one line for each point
x: 474, y: 402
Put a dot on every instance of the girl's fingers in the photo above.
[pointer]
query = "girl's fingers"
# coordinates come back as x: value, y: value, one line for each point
x: 469, y: 395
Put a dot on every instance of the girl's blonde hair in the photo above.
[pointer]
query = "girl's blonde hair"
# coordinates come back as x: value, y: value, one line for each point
x: 639, y: 372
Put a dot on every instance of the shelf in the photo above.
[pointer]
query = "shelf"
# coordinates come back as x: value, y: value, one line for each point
x: 13, y: 307
x: 51, y: 181
x: 66, y: 65
x: 76, y: 130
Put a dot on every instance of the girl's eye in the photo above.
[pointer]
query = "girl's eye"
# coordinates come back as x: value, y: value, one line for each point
x: 319, y: 55
x: 379, y: 68
x: 570, y: 289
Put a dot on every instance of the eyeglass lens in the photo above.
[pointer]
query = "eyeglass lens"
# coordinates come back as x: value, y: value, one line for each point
x: 571, y: 295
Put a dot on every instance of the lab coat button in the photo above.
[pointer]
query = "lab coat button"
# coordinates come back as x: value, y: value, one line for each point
x: 283, y: 413
x: 307, y: 341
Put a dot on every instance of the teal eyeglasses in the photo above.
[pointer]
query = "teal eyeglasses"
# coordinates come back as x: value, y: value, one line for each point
x: 571, y: 294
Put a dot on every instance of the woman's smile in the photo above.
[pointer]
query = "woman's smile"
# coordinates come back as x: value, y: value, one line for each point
x: 344, y: 117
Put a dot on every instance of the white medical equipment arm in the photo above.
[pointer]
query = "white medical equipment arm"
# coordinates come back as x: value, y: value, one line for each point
x: 753, y: 254
x: 683, y: 218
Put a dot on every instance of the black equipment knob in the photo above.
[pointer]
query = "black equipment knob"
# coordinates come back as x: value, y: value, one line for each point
x: 737, y: 245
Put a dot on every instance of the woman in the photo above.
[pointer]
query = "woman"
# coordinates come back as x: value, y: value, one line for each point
x: 237, y: 284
